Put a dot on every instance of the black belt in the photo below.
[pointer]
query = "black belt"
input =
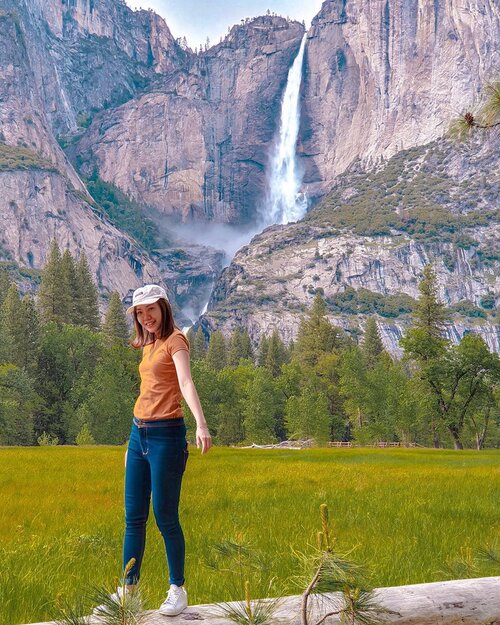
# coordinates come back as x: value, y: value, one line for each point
x: 159, y: 423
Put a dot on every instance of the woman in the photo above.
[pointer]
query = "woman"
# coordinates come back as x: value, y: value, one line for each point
x: 157, y: 450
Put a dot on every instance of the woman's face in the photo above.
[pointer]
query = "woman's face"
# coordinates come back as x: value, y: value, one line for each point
x: 149, y: 316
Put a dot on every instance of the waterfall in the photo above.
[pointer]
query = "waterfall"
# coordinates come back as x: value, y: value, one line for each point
x: 285, y: 202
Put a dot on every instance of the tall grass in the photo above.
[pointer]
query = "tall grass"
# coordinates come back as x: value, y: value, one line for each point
x: 408, y: 512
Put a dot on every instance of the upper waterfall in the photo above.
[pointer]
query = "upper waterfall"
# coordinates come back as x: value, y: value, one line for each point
x: 285, y: 202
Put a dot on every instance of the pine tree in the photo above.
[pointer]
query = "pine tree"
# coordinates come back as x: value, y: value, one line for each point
x: 424, y: 342
x: 29, y: 344
x: 10, y: 314
x: 263, y: 349
x: 229, y: 411
x: 87, y: 300
x: 70, y: 286
x: 17, y: 406
x: 5, y: 282
x: 20, y: 328
x: 316, y: 335
x: 115, y: 327
x: 246, y: 346
x: 52, y: 297
x: 111, y: 393
x: 430, y: 314
x: 235, y: 350
x: 198, y: 346
x: 84, y: 436
x: 216, y: 354
x: 260, y: 409
x: 307, y: 415
x: 277, y: 354
x: 425, y: 339
x: 372, y: 344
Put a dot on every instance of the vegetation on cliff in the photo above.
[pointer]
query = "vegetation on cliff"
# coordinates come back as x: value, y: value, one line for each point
x: 22, y: 158
x: 415, y: 193
x: 127, y: 215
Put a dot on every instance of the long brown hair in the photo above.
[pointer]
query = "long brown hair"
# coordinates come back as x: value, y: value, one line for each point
x: 143, y: 337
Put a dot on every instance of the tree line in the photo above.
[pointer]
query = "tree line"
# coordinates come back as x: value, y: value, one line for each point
x: 326, y: 386
x: 66, y: 377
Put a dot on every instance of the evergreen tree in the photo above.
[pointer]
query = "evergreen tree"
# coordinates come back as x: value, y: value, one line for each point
x: 198, y: 346
x: 263, y: 349
x: 87, y: 300
x: 53, y: 299
x: 216, y: 354
x: 430, y: 314
x: 5, y: 282
x: 66, y: 365
x: 240, y: 347
x: 18, y: 402
x: 9, y: 315
x: 230, y: 416
x: 424, y: 342
x: 85, y: 437
x: 260, y: 409
x: 29, y: 344
x: 208, y: 392
x: 110, y: 397
x: 115, y: 327
x: 316, y: 335
x: 21, y: 329
x: 235, y: 349
x: 70, y: 286
x: 247, y: 352
x: 277, y: 354
x: 307, y: 415
x: 372, y: 344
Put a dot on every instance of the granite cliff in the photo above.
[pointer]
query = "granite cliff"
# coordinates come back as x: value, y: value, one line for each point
x: 385, y: 75
x: 206, y: 130
x: 91, y: 90
x: 364, y: 247
x: 60, y: 63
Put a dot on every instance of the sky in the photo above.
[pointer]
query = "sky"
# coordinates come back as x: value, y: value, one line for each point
x: 199, y: 19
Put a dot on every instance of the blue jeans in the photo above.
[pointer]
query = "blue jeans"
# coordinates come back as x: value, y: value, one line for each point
x: 156, y: 458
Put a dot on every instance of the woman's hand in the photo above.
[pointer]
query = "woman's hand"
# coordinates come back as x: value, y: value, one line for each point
x: 203, y: 438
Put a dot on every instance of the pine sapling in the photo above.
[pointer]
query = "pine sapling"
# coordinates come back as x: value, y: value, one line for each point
x: 353, y: 602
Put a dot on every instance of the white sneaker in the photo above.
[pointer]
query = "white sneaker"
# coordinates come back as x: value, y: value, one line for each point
x: 175, y: 602
x: 116, y: 598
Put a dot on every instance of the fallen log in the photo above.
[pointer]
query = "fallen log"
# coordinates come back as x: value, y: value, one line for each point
x: 456, y: 602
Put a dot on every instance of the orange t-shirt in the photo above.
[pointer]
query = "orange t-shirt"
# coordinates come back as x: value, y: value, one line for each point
x: 160, y: 396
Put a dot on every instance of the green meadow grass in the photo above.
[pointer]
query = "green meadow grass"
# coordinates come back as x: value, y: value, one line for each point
x: 406, y: 512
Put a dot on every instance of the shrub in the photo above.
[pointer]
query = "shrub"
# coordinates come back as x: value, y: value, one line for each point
x: 84, y: 436
x: 47, y: 440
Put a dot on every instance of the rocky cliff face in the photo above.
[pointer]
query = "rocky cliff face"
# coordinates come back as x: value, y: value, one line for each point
x: 386, y: 75
x: 23, y: 116
x: 190, y: 136
x: 197, y: 146
x: 335, y: 252
x: 60, y: 62
x: 271, y: 283
x: 90, y: 54
x: 37, y: 206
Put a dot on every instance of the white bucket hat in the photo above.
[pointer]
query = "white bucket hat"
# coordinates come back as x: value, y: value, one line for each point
x: 147, y: 294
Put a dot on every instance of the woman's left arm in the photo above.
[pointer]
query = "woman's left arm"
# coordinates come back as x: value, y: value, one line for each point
x: 188, y: 390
